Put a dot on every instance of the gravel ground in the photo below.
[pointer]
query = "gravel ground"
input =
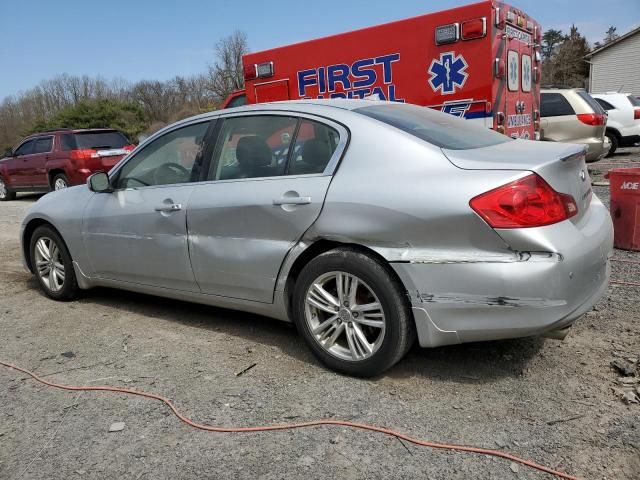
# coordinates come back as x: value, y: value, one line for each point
x: 553, y: 402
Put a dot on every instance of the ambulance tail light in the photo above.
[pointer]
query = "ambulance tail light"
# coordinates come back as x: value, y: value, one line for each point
x: 476, y: 28
x: 498, y: 68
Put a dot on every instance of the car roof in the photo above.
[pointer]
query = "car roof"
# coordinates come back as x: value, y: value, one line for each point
x: 70, y: 130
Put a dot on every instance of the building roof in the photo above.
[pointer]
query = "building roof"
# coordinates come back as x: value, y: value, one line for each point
x: 613, y: 42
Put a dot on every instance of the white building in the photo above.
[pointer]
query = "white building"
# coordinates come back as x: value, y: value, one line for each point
x: 615, y: 66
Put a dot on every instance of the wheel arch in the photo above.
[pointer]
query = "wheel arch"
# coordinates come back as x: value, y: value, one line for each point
x: 614, y: 131
x: 55, y: 171
x: 27, y: 233
x: 318, y: 247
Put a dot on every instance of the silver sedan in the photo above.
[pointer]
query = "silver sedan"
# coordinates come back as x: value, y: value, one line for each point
x: 367, y: 224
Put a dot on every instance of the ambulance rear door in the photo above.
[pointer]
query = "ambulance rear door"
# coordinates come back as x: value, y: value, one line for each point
x: 520, y: 89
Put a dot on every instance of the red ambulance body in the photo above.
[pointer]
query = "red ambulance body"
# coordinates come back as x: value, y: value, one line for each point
x: 480, y: 62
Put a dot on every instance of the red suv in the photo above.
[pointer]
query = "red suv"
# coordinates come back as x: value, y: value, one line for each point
x: 60, y: 158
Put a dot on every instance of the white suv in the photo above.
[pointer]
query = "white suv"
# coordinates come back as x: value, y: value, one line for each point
x: 623, y: 125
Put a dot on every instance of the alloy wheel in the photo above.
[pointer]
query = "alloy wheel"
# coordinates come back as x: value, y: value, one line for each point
x: 3, y: 189
x: 344, y: 316
x: 49, y: 264
x: 59, y: 184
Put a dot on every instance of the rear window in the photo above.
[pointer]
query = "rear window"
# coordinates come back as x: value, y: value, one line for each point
x: 635, y: 101
x: 604, y: 104
x: 98, y: 140
x: 440, y: 129
x: 554, y: 105
x: 43, y: 145
x: 590, y: 100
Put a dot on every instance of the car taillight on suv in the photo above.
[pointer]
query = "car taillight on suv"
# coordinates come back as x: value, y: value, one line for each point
x: 636, y: 114
x: 85, y: 154
x: 528, y: 202
x: 593, y: 119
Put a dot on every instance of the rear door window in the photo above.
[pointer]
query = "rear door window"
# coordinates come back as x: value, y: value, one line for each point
x: 554, y: 105
x: 43, y: 145
x: 526, y: 73
x: 604, y: 104
x: 26, y: 148
x: 513, y: 71
x: 314, y: 147
x: 253, y: 147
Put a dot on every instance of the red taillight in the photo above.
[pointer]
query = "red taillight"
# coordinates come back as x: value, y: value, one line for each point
x: 476, y: 28
x: 85, y: 154
x: 528, y: 202
x: 593, y: 119
x: 636, y: 114
x: 128, y: 148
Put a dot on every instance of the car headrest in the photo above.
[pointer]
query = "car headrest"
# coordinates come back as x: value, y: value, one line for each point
x: 315, y: 152
x: 253, y: 151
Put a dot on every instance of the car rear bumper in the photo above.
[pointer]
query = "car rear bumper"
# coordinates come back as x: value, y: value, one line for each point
x: 596, y: 148
x: 534, y: 293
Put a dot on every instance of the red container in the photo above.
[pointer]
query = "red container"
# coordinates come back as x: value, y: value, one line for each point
x: 625, y: 207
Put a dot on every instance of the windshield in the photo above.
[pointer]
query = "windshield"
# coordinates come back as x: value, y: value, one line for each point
x: 440, y: 129
x: 100, y: 140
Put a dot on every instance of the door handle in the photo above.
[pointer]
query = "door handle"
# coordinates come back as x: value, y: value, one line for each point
x: 292, y: 201
x: 174, y: 207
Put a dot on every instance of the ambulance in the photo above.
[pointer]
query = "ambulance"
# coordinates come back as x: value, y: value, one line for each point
x: 480, y: 62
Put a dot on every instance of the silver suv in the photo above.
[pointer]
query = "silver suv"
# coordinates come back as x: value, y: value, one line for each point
x: 571, y: 115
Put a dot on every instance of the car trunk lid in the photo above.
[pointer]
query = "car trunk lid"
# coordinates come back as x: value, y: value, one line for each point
x: 561, y: 165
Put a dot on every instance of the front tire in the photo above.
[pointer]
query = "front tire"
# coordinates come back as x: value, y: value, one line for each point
x: 52, y: 264
x: 352, y: 312
x: 60, y: 182
x: 5, y: 193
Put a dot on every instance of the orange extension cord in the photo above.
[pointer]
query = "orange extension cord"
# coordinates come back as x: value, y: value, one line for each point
x: 290, y: 426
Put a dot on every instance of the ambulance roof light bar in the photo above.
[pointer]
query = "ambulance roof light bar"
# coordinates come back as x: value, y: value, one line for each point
x: 447, y: 33
x: 258, y: 70
x: 476, y: 28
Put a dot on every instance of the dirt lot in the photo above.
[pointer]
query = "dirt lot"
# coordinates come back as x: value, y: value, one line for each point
x: 549, y: 401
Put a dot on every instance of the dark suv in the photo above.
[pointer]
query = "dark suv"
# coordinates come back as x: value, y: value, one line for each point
x: 60, y: 158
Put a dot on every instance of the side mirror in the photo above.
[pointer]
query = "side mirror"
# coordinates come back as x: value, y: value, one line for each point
x: 99, y: 183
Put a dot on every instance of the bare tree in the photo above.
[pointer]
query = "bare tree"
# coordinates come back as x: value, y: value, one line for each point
x: 227, y: 75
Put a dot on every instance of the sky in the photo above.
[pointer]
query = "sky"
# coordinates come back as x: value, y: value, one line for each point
x: 145, y: 39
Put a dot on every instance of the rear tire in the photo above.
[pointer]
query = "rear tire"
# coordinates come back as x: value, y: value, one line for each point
x: 5, y: 193
x: 60, y: 181
x: 362, y: 331
x: 52, y: 264
x: 615, y: 143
